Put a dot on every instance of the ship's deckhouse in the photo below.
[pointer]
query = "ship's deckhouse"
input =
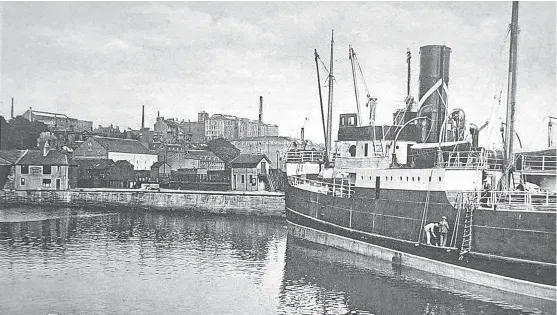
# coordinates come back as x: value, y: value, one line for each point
x: 435, y: 179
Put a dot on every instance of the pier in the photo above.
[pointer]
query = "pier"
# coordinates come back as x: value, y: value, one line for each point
x: 258, y: 203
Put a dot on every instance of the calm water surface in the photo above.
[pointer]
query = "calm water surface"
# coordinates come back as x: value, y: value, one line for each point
x: 68, y: 261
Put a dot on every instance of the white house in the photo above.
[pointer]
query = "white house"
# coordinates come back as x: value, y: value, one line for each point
x: 117, y: 149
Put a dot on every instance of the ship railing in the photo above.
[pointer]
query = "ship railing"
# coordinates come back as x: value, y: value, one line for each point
x: 537, y: 164
x: 304, y: 156
x: 515, y: 200
x: 476, y: 160
x: 338, y: 188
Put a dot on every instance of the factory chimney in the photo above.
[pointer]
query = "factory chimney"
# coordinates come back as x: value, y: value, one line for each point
x: 12, y: 116
x: 142, y: 117
x: 260, y: 115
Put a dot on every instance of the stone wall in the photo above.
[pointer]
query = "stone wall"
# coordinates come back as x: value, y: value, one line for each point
x: 269, y: 204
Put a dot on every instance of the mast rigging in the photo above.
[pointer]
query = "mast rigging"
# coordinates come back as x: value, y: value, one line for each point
x: 321, y: 102
x: 511, y: 98
x: 330, y: 104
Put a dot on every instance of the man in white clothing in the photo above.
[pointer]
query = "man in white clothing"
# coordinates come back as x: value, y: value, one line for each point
x: 429, y: 231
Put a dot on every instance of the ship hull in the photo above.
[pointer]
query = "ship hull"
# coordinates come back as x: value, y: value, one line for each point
x: 318, y: 218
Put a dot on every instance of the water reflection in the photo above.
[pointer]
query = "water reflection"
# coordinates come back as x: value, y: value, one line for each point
x: 71, y: 261
x: 323, y: 280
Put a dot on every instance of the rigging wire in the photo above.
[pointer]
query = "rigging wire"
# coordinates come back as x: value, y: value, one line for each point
x: 496, y: 104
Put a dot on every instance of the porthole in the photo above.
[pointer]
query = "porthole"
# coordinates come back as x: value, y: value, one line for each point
x: 412, y: 178
x: 439, y: 178
x: 400, y: 177
x: 391, y: 178
x: 418, y: 178
x: 406, y: 178
x: 370, y: 178
x: 386, y: 177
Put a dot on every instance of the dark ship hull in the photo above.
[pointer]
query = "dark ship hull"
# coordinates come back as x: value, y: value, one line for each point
x: 510, y: 250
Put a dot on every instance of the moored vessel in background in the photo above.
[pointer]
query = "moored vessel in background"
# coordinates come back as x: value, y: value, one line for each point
x: 382, y: 185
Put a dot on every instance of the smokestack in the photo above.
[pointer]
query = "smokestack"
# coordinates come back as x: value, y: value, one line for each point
x: 12, y: 108
x: 260, y: 115
x: 158, y: 113
x: 434, y: 74
x: 302, y: 134
x: 261, y: 109
x: 142, y: 117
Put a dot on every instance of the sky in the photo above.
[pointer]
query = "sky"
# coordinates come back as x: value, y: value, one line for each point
x: 102, y: 61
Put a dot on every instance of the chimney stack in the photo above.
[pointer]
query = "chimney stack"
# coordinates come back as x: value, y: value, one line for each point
x: 46, y: 148
x: 158, y: 113
x: 260, y: 115
x: 142, y: 117
x: 12, y: 108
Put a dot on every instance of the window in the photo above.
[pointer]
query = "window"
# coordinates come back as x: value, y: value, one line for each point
x: 22, y: 182
x: 365, y: 149
x: 391, y: 178
x: 243, y: 179
x: 47, y: 169
x: 412, y: 178
x: 430, y: 178
x: 439, y: 178
x: 418, y: 178
x: 406, y: 178
x: 46, y: 183
x: 400, y: 177
x: 24, y: 169
x: 352, y: 150
x: 386, y: 177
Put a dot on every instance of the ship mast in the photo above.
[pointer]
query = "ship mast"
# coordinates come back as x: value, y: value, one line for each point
x: 511, y: 98
x: 330, y: 105
x: 320, y: 102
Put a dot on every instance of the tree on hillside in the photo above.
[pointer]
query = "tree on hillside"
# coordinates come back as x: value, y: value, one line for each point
x: 222, y: 148
x: 23, y: 134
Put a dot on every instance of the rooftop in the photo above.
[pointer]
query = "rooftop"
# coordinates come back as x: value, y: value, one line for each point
x: 200, y: 154
x: 93, y: 164
x: 158, y: 164
x: 122, y: 145
x: 248, y: 160
x: 35, y: 157
x: 11, y: 156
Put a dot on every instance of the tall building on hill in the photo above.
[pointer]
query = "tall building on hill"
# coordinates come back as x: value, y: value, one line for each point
x: 232, y: 127
x: 58, y: 122
x: 207, y: 128
x: 174, y: 131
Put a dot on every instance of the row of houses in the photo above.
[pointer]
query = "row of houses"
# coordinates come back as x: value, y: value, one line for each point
x: 124, y: 163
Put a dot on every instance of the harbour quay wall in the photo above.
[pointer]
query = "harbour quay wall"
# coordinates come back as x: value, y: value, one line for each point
x: 223, y: 202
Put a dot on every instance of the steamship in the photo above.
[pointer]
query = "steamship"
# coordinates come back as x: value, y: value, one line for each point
x: 376, y: 190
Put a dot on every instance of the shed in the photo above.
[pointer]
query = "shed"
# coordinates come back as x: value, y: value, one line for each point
x: 249, y: 172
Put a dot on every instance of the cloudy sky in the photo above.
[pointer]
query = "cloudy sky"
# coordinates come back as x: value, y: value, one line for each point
x: 101, y: 61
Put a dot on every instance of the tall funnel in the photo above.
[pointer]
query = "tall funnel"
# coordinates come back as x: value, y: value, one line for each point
x: 434, y: 72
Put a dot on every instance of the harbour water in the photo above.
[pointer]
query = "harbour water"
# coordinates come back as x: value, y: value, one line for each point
x: 72, y: 261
